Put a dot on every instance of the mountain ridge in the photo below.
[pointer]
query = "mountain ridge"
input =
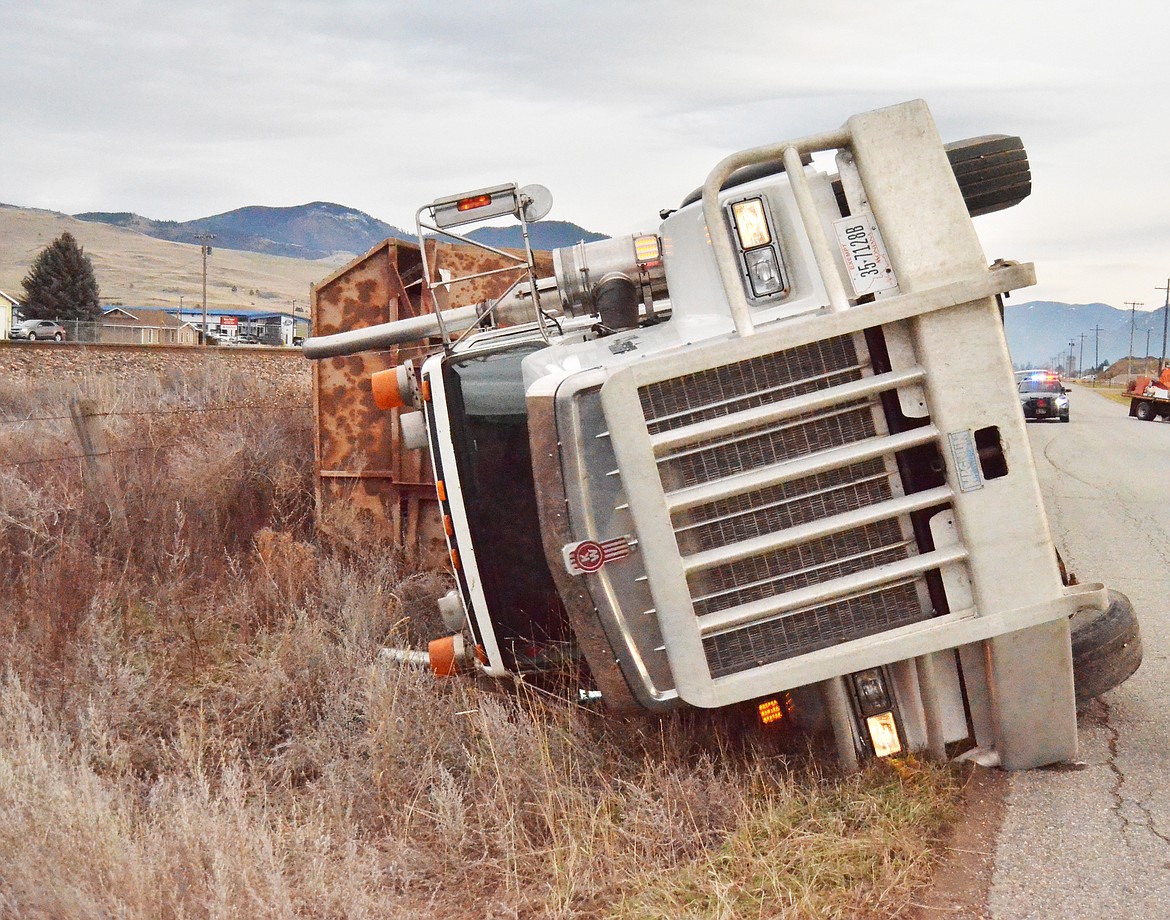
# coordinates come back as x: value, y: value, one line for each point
x: 317, y: 230
x: 1040, y: 331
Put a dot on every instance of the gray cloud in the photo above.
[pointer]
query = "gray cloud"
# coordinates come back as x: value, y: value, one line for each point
x: 178, y: 111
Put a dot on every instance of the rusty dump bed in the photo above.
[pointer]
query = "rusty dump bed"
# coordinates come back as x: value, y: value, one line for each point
x: 361, y: 463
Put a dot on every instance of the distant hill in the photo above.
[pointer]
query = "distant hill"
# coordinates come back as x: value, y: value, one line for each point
x: 1038, y: 331
x: 136, y: 270
x: 548, y: 234
x: 319, y: 230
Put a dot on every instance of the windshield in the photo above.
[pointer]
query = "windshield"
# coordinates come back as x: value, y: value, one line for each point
x: 489, y: 431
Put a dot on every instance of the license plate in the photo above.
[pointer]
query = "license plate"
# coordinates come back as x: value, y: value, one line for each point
x: 865, y: 256
x: 1041, y: 411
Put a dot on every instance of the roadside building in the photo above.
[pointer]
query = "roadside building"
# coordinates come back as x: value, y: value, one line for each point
x: 239, y: 324
x: 9, y: 307
x: 145, y: 326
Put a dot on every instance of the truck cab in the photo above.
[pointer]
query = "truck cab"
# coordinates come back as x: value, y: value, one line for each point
x: 769, y: 450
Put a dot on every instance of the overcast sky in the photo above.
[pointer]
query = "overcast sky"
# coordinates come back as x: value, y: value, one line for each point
x: 184, y: 110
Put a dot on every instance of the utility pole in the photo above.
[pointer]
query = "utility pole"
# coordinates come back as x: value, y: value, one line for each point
x: 1129, y: 358
x: 1071, y: 354
x: 1162, y: 362
x: 1096, y: 350
x: 205, y: 238
x: 1081, y: 360
x: 1148, y: 331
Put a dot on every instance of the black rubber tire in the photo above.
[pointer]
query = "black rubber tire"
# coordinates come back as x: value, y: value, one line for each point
x: 1145, y: 411
x: 57, y: 337
x: 992, y: 172
x: 1106, y: 647
x: 1064, y: 419
x: 32, y: 336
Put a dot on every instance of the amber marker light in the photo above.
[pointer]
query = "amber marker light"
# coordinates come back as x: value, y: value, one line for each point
x: 442, y: 656
x: 771, y: 711
x: 470, y: 204
x: 646, y: 248
x: 387, y: 394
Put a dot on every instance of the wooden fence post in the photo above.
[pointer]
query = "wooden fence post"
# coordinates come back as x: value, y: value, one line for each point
x: 99, y: 471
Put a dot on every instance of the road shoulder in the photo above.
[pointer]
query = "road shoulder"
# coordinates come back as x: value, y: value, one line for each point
x: 961, y: 882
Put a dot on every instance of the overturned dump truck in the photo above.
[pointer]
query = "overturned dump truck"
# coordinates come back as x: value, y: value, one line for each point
x: 768, y: 455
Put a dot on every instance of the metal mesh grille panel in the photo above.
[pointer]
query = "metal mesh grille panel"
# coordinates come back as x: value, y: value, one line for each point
x: 797, y: 566
x: 758, y: 447
x: 720, y: 391
x: 734, y: 388
x: 789, y: 504
x: 815, y: 628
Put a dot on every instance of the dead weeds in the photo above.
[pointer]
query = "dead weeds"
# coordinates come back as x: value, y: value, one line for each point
x: 196, y: 725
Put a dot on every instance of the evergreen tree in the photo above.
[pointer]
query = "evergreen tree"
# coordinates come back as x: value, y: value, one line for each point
x: 61, y: 283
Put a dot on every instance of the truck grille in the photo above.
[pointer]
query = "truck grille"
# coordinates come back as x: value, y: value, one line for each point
x: 783, y: 513
x: 808, y: 630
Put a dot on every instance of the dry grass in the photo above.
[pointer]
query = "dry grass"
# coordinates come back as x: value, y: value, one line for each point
x: 195, y: 725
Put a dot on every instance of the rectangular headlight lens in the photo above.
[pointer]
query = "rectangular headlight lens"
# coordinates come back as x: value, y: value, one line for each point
x: 751, y: 223
x: 763, y: 270
x: 883, y: 732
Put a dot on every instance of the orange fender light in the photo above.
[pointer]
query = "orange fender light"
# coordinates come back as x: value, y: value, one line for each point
x: 442, y: 656
x: 387, y: 395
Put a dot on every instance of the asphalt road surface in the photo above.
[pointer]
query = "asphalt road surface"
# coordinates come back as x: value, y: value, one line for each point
x: 1092, y: 840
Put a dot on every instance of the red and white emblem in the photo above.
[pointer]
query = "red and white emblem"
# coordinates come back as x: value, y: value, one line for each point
x: 589, y: 555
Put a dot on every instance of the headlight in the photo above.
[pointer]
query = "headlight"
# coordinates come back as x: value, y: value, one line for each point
x: 751, y: 223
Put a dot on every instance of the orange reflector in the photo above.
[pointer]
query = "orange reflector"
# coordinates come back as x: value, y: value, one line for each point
x: 441, y: 490
x: 455, y: 558
x: 425, y: 390
x: 442, y: 656
x: 448, y: 525
x: 385, y: 387
x: 771, y: 711
x: 470, y: 204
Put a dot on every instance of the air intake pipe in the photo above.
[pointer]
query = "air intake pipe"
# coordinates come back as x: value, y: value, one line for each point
x: 611, y: 278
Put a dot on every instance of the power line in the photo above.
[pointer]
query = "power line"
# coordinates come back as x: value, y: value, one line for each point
x: 1165, y: 316
x: 1129, y: 358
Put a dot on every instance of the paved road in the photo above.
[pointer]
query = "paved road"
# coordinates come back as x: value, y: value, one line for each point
x: 1094, y: 841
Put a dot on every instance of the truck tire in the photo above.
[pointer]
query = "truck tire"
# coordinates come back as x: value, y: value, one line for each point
x: 1106, y: 647
x: 992, y: 172
x: 1145, y: 411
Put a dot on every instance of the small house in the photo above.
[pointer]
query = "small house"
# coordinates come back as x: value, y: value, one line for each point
x: 9, y: 308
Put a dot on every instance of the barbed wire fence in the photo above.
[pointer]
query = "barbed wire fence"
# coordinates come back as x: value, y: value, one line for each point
x: 87, y: 416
